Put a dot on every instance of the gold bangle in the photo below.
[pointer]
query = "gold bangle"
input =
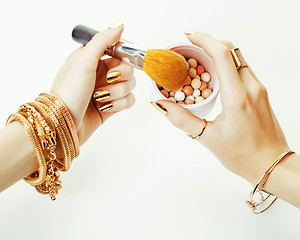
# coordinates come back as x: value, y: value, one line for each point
x: 68, y: 118
x: 47, y: 137
x: 259, y: 187
x: 64, y: 163
x: 44, y: 120
x: 39, y: 176
x: 44, y: 131
x: 63, y: 125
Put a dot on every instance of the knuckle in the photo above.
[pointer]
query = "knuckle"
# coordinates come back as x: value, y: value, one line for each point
x: 129, y: 70
x: 120, y: 90
x: 223, y: 52
x: 260, y: 92
x: 228, y: 43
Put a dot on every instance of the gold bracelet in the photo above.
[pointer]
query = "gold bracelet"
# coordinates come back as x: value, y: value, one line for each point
x: 39, y: 176
x: 51, y: 183
x: 45, y: 120
x: 44, y: 131
x: 68, y: 118
x: 254, y: 204
x: 64, y: 163
x: 63, y: 125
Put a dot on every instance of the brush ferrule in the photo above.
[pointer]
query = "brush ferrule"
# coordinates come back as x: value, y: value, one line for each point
x: 128, y: 53
x: 122, y: 50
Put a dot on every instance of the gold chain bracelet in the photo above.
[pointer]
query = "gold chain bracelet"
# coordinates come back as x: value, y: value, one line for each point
x: 64, y: 163
x: 68, y: 118
x: 63, y: 128
x: 36, y: 177
x: 47, y: 120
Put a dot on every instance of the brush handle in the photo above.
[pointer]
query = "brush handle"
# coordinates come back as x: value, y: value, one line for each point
x: 123, y: 50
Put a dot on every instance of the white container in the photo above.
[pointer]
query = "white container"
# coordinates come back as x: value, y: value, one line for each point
x: 189, y: 50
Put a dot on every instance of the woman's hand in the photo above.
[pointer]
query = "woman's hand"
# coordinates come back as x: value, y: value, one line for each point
x: 246, y: 136
x: 95, y: 89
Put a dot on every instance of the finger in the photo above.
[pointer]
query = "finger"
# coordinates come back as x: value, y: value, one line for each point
x: 185, y: 120
x: 116, y: 105
x: 95, y: 48
x: 117, y: 70
x: 230, y: 83
x: 246, y: 74
x: 114, y: 91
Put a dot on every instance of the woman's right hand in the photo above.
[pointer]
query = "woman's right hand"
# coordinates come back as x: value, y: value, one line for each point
x: 246, y: 136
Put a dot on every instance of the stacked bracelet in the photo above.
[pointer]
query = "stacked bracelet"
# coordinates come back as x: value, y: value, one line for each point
x: 259, y: 205
x: 46, y: 121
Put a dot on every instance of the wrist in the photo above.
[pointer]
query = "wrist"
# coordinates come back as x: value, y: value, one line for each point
x: 261, y: 161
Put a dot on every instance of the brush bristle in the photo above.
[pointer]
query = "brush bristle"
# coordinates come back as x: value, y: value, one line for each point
x: 167, y: 68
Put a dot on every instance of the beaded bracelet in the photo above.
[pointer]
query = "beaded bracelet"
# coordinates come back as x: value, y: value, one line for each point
x: 254, y: 204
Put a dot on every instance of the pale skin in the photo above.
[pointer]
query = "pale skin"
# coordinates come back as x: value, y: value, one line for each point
x: 84, y: 73
x: 246, y: 137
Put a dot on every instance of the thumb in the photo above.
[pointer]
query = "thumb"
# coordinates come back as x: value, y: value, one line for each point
x: 182, y: 119
x: 95, y: 48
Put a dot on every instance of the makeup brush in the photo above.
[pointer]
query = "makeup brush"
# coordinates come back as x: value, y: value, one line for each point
x: 167, y: 68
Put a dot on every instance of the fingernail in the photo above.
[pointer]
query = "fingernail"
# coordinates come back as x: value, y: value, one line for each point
x: 113, y: 76
x: 190, y: 32
x: 159, y: 107
x: 101, y: 95
x: 117, y: 24
x: 106, y: 107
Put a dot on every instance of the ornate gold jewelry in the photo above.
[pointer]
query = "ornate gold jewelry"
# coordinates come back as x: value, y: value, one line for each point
x: 68, y: 118
x: 238, y: 58
x: 36, y: 177
x: 64, y: 163
x: 201, y: 132
x: 44, y: 120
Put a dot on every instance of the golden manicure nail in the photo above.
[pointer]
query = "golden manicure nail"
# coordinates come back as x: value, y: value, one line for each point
x: 101, y: 95
x: 190, y: 32
x: 117, y: 24
x: 106, y: 107
x: 113, y: 76
x: 159, y: 107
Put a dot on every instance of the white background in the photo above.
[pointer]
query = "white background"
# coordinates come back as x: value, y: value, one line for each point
x: 138, y: 177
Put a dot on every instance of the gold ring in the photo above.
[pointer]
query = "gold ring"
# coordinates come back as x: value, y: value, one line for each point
x: 201, y: 132
x: 238, y: 58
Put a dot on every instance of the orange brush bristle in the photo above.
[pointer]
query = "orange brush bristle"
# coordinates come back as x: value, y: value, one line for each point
x: 167, y: 68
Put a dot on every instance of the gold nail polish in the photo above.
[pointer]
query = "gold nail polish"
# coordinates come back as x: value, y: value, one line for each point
x: 106, y: 107
x: 117, y: 24
x: 113, y: 76
x: 190, y: 32
x: 101, y: 95
x: 159, y: 107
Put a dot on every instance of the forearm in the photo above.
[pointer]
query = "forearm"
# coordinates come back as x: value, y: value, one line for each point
x: 284, y: 180
x: 17, y: 155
